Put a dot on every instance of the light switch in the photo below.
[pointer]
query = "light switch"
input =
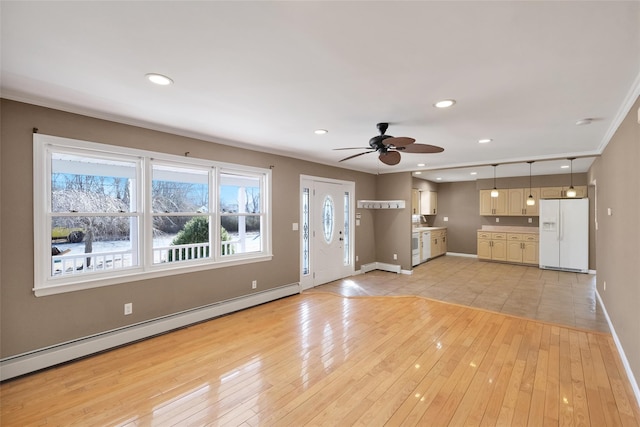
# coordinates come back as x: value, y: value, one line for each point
x: 609, y: 211
x: 294, y: 226
x: 497, y: 219
x: 446, y: 218
x: 357, y: 222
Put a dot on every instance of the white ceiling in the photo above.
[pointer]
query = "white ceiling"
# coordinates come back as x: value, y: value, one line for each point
x: 265, y: 75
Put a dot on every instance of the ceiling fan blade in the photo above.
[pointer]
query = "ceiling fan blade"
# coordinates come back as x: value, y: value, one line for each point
x: 399, y: 141
x: 390, y: 158
x: 356, y: 155
x: 422, y: 148
x: 352, y: 148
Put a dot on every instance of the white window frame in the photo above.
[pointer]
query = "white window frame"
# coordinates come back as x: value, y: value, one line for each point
x: 45, y: 284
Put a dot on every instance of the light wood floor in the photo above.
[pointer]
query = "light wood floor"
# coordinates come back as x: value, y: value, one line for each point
x: 324, y: 359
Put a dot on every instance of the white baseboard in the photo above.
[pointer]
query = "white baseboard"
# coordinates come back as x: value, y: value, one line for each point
x: 461, y: 254
x: 43, y: 358
x: 380, y: 266
x: 625, y: 362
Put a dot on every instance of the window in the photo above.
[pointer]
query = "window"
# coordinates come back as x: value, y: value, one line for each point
x: 106, y: 214
x: 241, y: 213
x: 327, y: 219
x: 181, y: 218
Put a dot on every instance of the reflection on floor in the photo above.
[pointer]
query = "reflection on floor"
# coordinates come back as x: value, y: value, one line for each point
x: 551, y: 296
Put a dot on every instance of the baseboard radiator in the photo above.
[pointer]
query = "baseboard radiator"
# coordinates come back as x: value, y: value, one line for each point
x: 43, y: 358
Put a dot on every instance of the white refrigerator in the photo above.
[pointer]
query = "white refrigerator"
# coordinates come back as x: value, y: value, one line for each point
x: 564, y: 234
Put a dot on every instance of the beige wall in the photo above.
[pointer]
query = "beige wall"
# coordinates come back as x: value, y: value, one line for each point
x: 393, y: 226
x: 616, y: 175
x: 29, y: 323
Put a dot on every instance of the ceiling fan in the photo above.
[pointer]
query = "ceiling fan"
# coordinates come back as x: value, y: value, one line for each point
x: 390, y: 147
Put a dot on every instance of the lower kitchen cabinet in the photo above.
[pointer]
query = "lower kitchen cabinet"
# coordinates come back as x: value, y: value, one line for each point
x: 517, y: 248
x: 438, y: 243
x: 492, y: 246
x: 522, y: 248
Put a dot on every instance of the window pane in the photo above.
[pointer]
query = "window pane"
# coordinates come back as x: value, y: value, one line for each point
x: 305, y: 231
x: 89, y: 244
x: 240, y: 193
x: 327, y: 219
x: 181, y: 238
x: 241, y: 234
x: 86, y: 184
x: 347, y: 218
x: 179, y: 189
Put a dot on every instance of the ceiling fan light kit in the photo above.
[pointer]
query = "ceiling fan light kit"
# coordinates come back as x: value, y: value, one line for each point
x: 390, y: 147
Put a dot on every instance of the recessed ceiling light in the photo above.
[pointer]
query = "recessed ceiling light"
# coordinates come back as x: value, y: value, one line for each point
x: 320, y: 131
x: 439, y: 179
x: 485, y: 140
x: 159, y: 79
x: 445, y: 103
x: 583, y: 122
x: 418, y: 173
x: 474, y: 173
x: 421, y: 164
x: 564, y: 167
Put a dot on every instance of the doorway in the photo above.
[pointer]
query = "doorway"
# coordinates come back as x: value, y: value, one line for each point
x: 326, y: 238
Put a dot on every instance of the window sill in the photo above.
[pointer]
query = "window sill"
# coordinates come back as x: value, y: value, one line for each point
x: 85, y: 282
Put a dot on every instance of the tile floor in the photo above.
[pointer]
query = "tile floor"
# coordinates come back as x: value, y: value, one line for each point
x: 551, y: 296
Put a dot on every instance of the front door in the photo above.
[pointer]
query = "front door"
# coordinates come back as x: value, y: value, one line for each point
x: 326, y: 252
x: 328, y: 232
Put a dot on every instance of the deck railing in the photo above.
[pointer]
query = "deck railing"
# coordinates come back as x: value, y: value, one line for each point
x: 67, y: 264
x: 178, y: 253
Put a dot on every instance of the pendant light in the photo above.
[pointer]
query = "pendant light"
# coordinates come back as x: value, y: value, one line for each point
x: 571, y: 192
x: 494, y: 192
x: 530, y: 200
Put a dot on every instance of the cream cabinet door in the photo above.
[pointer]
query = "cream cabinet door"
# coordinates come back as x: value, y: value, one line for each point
x: 484, y: 249
x: 530, y: 253
x: 550, y: 192
x: 499, y: 250
x: 428, y: 202
x: 514, y: 251
x: 486, y: 205
x: 501, y: 203
x: 535, y: 209
x: 516, y: 201
x: 415, y: 201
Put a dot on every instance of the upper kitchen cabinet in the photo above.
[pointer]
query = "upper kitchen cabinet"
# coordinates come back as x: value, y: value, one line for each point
x: 518, y: 201
x: 415, y: 201
x: 428, y: 202
x: 494, y: 205
x: 561, y: 192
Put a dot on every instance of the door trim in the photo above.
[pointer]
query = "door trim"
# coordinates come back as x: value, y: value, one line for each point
x: 306, y: 280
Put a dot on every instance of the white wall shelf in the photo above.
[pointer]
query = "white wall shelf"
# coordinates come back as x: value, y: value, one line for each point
x: 381, y: 204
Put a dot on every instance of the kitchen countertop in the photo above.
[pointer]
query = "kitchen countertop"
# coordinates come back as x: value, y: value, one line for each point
x: 428, y: 228
x: 509, y: 229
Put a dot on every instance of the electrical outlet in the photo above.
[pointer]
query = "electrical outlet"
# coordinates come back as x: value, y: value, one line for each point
x: 497, y: 219
x: 254, y: 284
x: 530, y: 220
x: 128, y: 308
x: 356, y: 257
x: 445, y: 219
x: 395, y: 256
